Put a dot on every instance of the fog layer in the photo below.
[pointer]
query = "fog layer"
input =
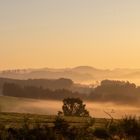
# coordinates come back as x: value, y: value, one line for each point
x: 51, y: 107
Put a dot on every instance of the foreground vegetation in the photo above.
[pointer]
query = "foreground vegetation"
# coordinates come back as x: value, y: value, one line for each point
x: 16, y: 126
x: 72, y: 123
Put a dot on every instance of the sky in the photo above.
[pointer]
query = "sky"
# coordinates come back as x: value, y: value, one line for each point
x: 68, y: 33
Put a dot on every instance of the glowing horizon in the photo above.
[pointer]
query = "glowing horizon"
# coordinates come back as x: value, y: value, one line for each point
x: 58, y: 34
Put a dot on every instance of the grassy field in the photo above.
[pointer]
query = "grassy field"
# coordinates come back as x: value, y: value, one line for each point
x: 16, y: 119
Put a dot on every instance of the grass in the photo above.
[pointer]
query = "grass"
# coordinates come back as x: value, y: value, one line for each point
x: 8, y: 119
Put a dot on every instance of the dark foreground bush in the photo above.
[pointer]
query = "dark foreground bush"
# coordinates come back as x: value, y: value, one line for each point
x: 128, y: 127
x: 60, y: 131
x: 101, y: 133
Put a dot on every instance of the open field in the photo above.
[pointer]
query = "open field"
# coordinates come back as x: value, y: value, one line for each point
x: 17, y: 119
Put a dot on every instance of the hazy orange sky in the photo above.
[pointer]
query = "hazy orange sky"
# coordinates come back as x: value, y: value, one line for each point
x: 66, y: 33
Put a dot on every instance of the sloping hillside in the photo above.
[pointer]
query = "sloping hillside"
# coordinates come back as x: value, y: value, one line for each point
x: 80, y: 74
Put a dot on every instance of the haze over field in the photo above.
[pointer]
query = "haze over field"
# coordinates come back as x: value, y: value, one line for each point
x: 50, y: 107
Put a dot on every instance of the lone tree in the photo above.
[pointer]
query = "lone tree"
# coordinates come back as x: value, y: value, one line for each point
x: 74, y: 107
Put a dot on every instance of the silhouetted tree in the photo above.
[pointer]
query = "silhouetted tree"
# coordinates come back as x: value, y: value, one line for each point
x: 74, y: 107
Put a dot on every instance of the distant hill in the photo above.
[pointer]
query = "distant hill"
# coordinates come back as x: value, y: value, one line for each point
x: 80, y: 74
x: 47, y: 73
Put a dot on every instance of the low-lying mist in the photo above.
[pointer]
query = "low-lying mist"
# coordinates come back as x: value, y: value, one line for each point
x: 51, y: 107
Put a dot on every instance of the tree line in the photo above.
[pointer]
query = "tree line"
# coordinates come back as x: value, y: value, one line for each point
x: 15, y: 90
x: 107, y: 91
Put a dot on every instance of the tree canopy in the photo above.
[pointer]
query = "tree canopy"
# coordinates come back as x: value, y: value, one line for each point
x: 74, y: 107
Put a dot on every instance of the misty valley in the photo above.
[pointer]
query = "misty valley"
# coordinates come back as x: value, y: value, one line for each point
x: 62, y: 109
x: 45, y: 96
